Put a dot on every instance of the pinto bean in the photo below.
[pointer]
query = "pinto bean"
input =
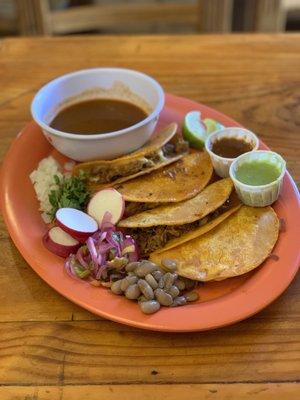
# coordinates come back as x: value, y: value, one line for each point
x: 164, y: 298
x: 169, y: 279
x: 116, y: 287
x: 145, y: 268
x: 179, y: 301
x: 173, y: 291
x: 157, y: 275
x: 161, y: 283
x: 132, y: 292
x: 130, y: 267
x: 170, y: 265
x: 146, y: 289
x: 129, y: 280
x: 150, y: 306
x: 152, y: 282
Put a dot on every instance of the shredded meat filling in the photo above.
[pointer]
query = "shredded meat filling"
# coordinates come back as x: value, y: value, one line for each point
x: 105, y: 175
x: 110, y: 174
x: 156, y: 237
x: 132, y: 208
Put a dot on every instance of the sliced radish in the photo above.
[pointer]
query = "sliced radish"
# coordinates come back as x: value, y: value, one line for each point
x: 77, y: 223
x: 60, y: 242
x: 106, y: 200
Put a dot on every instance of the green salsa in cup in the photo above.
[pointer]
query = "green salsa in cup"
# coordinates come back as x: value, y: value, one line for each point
x: 257, y: 177
x: 257, y: 172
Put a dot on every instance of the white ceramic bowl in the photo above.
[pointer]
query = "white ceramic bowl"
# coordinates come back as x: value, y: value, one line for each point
x: 118, y: 83
x: 222, y: 164
x: 262, y: 195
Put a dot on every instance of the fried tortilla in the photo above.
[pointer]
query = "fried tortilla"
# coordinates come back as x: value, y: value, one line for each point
x: 206, y: 226
x: 156, y: 154
x: 236, y: 246
x: 177, y: 182
x: 154, y: 229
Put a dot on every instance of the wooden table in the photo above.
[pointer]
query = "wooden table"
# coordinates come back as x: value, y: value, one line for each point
x: 52, y: 349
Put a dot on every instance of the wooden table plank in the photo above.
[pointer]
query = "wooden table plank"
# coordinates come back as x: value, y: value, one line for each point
x: 103, y: 352
x: 246, y: 391
x: 49, y: 344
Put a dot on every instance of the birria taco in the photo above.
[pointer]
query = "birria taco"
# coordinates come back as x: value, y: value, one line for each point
x: 156, y: 228
x: 176, y: 182
x: 165, y: 148
x: 234, y: 247
x: 179, y: 181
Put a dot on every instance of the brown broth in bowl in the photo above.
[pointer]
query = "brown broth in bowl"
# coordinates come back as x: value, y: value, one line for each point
x: 92, y: 117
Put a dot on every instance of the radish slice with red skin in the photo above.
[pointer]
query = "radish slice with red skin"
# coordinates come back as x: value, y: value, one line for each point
x: 106, y: 200
x: 76, y: 223
x: 60, y: 242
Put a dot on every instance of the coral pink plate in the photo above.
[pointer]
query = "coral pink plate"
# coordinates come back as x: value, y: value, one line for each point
x: 221, y: 303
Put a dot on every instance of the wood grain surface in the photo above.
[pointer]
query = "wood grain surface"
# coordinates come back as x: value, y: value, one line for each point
x: 51, y: 348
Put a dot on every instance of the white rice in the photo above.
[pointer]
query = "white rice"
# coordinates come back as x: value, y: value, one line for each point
x: 43, y: 182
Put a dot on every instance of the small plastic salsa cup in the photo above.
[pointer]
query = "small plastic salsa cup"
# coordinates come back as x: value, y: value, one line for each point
x: 264, y: 164
x: 222, y: 164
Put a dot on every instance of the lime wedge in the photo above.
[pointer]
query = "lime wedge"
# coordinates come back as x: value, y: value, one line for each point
x: 212, y: 125
x: 194, y: 131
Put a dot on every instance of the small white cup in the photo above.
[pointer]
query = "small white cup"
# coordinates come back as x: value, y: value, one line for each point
x: 86, y: 84
x: 222, y: 164
x: 262, y: 195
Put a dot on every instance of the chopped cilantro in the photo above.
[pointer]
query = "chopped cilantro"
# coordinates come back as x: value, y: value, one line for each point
x: 72, y: 192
